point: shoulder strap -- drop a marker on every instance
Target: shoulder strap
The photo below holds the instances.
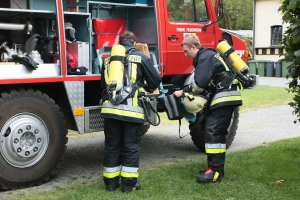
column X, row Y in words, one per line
column 212, row 49
column 130, row 50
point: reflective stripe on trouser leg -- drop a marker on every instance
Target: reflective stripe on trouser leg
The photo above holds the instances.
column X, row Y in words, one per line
column 218, row 120
column 112, row 148
column 129, row 172
column 131, row 149
column 111, row 172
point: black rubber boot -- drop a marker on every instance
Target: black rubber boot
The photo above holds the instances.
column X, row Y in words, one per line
column 111, row 183
column 130, row 185
column 221, row 170
column 211, row 175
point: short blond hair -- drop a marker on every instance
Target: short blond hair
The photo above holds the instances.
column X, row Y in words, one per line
column 191, row 40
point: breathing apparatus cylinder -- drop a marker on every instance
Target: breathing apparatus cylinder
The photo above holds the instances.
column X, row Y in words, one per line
column 116, row 68
column 234, row 59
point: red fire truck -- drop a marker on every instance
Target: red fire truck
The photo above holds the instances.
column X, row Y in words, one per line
column 68, row 39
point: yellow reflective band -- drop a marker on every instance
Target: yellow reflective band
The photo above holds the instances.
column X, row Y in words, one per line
column 111, row 174
column 195, row 88
column 226, row 99
column 130, row 174
column 133, row 72
column 142, row 90
column 106, row 62
column 238, row 83
column 240, row 87
column 215, row 151
column 227, row 94
column 194, row 91
column 135, row 99
column 134, row 58
column 217, row 56
column 216, row 176
column 235, row 81
column 122, row 113
column 215, row 145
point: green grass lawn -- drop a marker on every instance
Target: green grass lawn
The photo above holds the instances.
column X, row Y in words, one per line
column 264, row 96
column 268, row 172
column 250, row 174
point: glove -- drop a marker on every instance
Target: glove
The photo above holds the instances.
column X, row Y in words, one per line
column 25, row 60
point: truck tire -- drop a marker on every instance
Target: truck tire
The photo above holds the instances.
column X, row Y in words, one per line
column 197, row 130
column 33, row 138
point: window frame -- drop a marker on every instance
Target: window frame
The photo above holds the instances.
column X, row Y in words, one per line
column 276, row 35
column 193, row 12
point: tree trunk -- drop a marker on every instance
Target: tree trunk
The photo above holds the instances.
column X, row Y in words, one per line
column 236, row 23
column 227, row 21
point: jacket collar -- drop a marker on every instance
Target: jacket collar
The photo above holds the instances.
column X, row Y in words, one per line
column 128, row 45
column 195, row 61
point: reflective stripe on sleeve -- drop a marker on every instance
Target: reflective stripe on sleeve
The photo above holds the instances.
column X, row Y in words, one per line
column 195, row 88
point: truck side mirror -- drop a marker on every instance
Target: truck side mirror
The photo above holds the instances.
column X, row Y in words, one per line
column 220, row 10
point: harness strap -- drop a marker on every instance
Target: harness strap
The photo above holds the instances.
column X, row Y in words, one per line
column 123, row 59
column 222, row 80
column 228, row 52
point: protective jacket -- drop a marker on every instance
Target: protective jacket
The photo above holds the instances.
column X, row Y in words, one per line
column 141, row 69
column 212, row 75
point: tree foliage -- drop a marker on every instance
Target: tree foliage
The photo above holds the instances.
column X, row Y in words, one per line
column 290, row 10
column 238, row 15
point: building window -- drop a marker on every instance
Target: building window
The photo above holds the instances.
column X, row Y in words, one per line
column 276, row 35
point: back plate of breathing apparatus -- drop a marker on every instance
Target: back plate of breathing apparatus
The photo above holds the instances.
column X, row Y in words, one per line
column 117, row 97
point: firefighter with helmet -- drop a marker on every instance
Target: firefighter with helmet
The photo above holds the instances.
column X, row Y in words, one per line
column 123, row 113
column 213, row 79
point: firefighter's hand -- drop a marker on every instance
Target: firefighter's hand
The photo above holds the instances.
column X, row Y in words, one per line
column 178, row 93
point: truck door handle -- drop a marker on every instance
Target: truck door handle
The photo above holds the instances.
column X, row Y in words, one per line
column 173, row 37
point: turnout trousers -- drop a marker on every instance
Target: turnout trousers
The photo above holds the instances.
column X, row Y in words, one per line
column 121, row 151
column 217, row 123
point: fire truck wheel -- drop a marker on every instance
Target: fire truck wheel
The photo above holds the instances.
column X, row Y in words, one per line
column 145, row 128
column 33, row 138
column 197, row 130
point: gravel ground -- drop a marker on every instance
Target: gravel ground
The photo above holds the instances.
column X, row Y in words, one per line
column 83, row 159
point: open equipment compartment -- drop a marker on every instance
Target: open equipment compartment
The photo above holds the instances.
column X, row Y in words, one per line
column 107, row 20
column 29, row 27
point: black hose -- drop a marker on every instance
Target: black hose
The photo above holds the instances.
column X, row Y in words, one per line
column 145, row 101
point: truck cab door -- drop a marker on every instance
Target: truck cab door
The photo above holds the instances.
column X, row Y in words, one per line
column 184, row 18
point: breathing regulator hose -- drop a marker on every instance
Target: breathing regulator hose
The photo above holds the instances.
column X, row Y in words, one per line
column 146, row 102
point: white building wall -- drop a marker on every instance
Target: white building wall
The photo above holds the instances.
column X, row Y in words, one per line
column 266, row 15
